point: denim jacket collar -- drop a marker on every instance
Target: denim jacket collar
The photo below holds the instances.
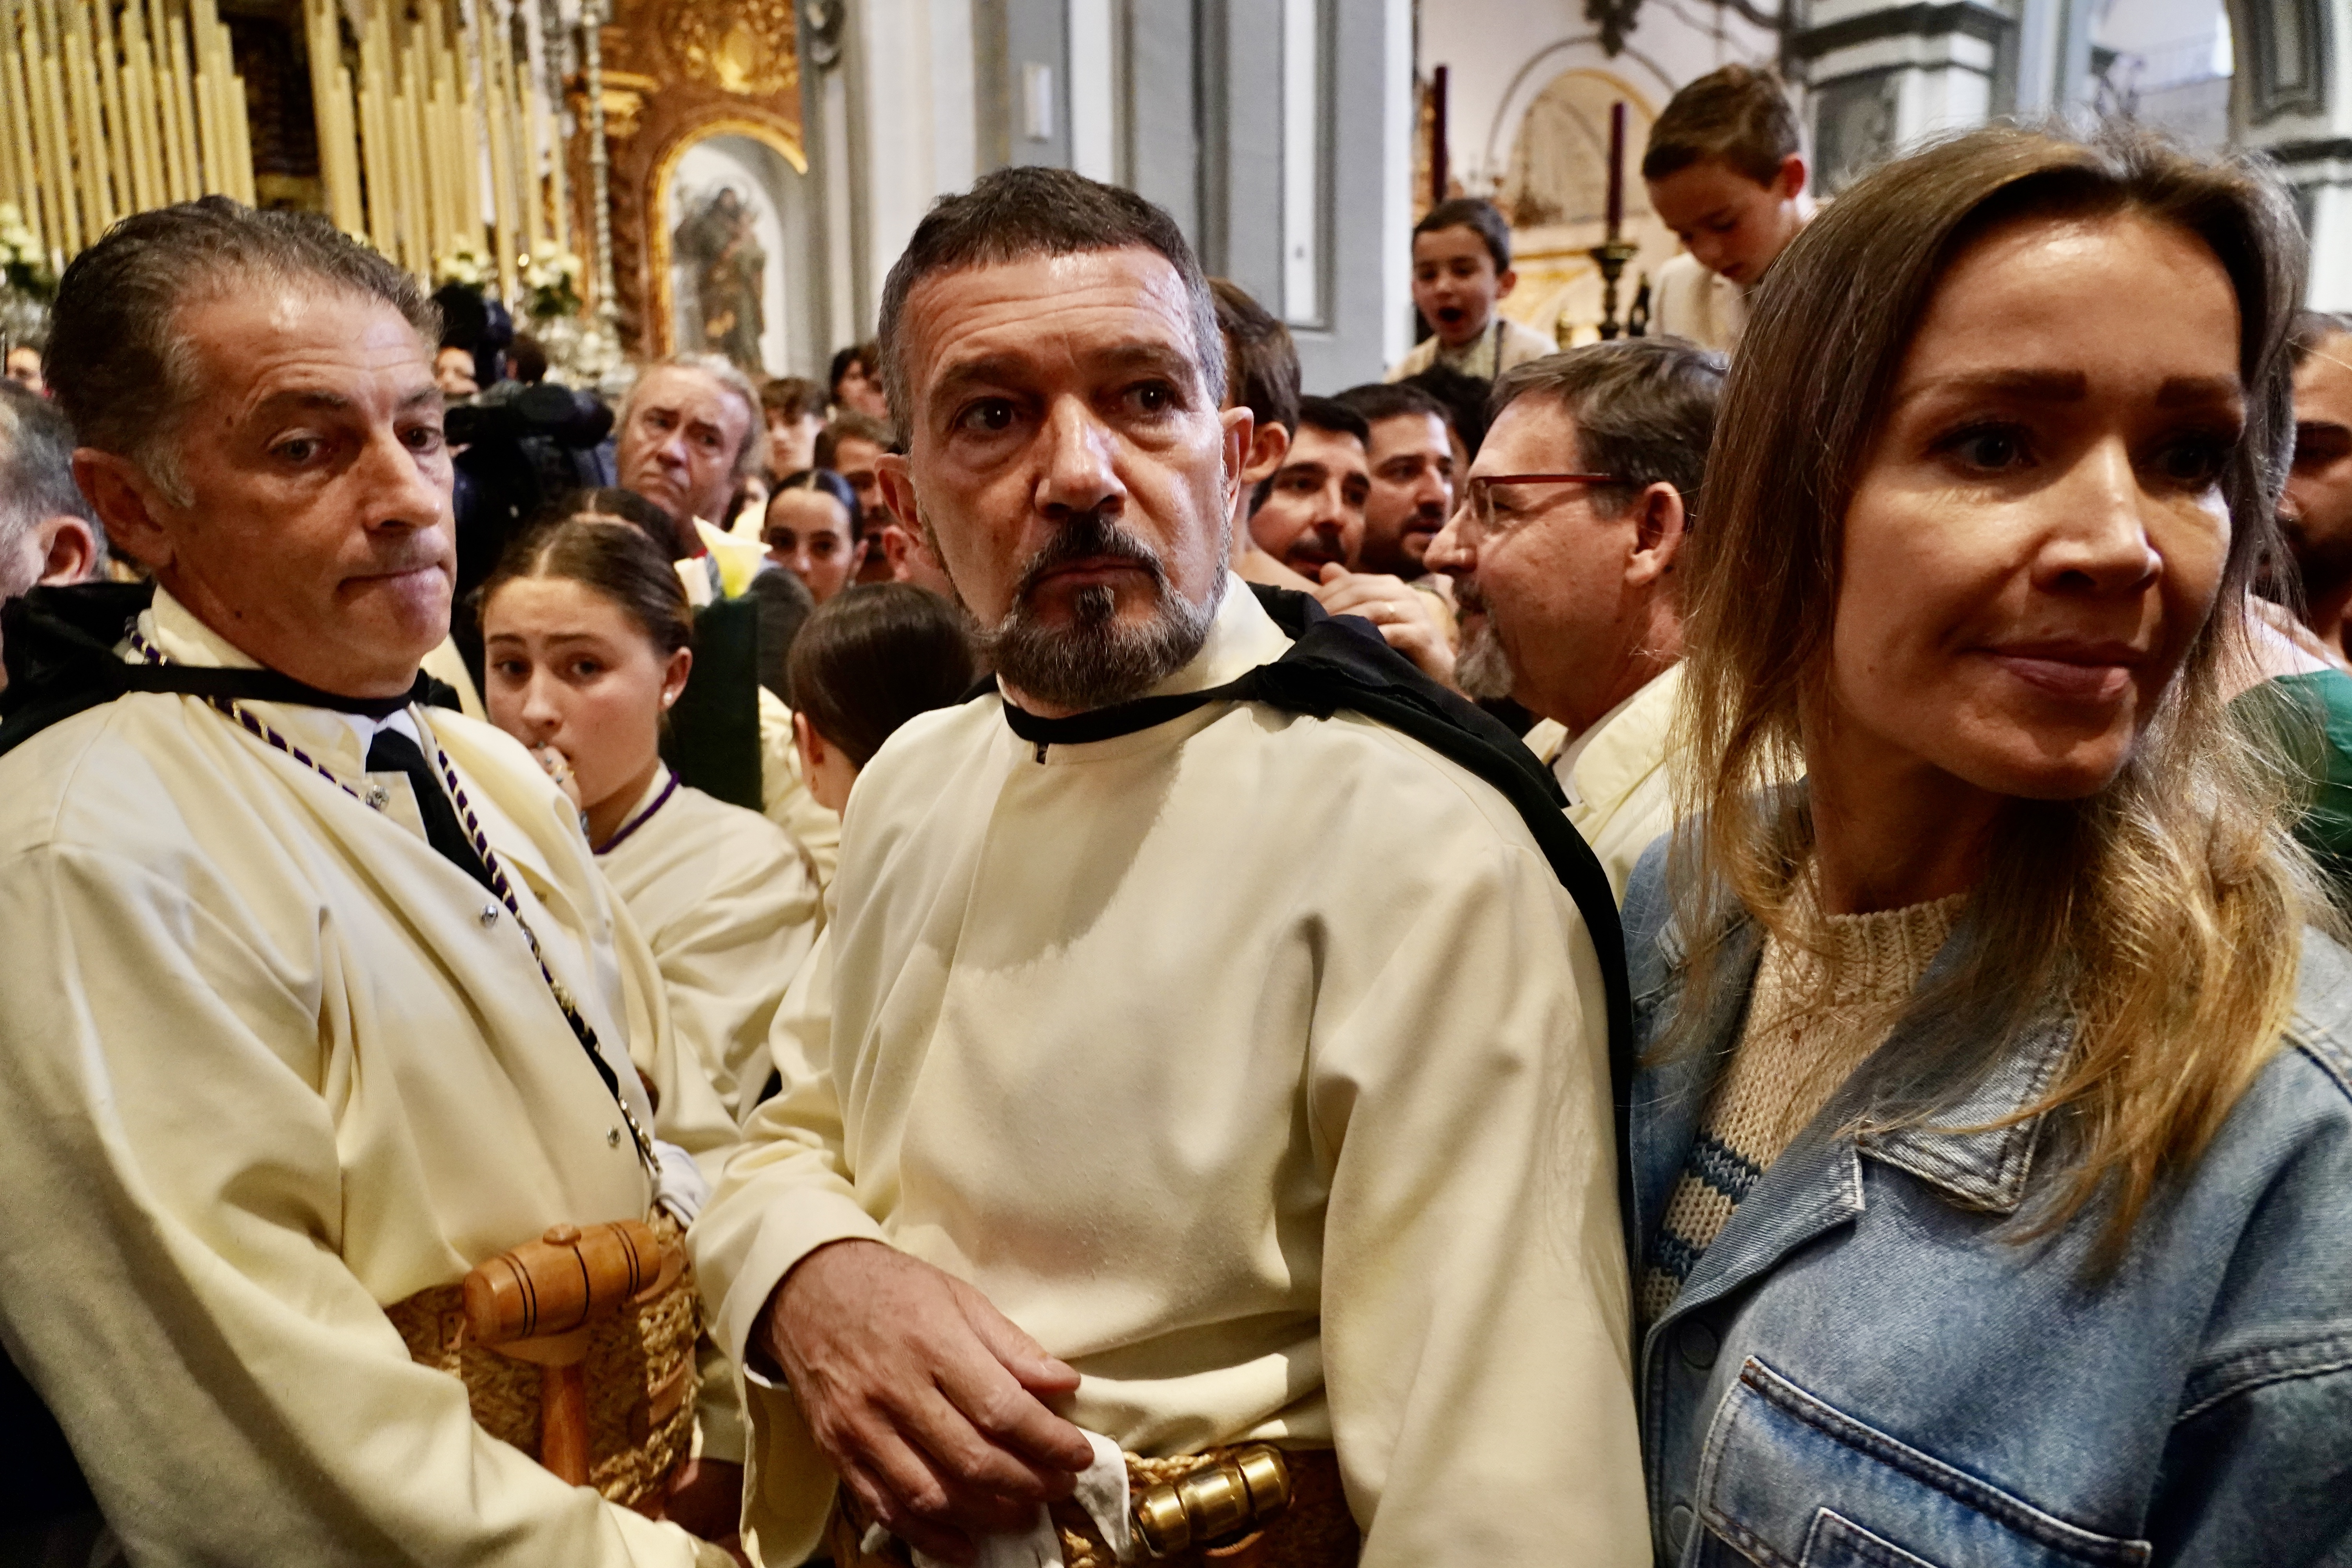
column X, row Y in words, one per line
column 1968, row 1153
column 1816, row 1184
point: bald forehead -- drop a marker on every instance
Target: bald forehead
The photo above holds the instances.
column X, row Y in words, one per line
column 1534, row 434
column 2326, row 359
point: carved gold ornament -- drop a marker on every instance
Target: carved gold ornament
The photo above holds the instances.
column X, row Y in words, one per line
column 746, row 48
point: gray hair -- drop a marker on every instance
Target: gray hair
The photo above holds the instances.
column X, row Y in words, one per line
column 37, row 481
column 1644, row 407
column 1018, row 212
column 116, row 361
column 753, row 454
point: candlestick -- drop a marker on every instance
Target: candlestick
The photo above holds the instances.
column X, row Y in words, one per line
column 1616, row 173
column 1611, row 257
column 600, row 204
column 146, row 109
column 15, row 96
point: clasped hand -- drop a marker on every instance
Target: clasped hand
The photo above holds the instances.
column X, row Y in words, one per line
column 929, row 1401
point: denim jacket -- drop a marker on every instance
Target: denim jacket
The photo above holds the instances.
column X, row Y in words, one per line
column 1867, row 1367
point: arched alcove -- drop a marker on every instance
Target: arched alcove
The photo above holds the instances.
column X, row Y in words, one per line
column 1554, row 190
column 727, row 227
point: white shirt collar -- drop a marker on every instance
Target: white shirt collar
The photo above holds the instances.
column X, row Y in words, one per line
column 367, row 728
column 1563, row 763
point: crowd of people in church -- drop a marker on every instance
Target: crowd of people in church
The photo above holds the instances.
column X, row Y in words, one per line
column 1722, row 946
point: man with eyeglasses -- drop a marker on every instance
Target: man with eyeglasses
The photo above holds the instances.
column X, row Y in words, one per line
column 1564, row 554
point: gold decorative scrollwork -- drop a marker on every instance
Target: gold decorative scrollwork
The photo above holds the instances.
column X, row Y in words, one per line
column 747, row 48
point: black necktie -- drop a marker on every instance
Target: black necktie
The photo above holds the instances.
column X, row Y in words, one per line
column 394, row 753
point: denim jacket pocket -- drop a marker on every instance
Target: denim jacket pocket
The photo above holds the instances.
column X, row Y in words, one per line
column 1789, row 1480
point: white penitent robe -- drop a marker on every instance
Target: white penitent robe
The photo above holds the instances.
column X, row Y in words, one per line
column 1698, row 305
column 1619, row 793
column 784, row 797
column 1254, row 1063
column 268, row 1063
column 727, row 901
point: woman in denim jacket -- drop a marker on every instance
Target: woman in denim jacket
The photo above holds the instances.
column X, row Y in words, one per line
column 1991, row 1146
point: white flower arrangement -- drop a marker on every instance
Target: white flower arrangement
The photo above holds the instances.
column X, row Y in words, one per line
column 23, row 266
column 550, row 279
column 462, row 263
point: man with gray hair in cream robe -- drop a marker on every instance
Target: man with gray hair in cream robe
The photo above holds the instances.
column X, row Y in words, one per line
column 689, row 432
column 316, row 1001
column 1206, row 1065
column 1563, row 554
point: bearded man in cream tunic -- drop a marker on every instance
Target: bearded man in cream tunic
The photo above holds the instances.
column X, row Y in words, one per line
column 1191, row 1077
column 1563, row 554
column 274, row 1059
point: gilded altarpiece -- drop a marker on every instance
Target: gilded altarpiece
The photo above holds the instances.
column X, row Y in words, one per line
column 677, row 73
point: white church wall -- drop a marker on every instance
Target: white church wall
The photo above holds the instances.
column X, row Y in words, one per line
column 1184, row 104
column 2292, row 98
column 1501, row 54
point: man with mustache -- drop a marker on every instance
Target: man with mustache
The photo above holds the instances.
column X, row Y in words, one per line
column 1309, row 513
column 1216, row 1052
column 1564, row 555
column 317, row 998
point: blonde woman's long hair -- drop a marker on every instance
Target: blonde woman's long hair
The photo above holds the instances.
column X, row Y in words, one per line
column 2161, row 917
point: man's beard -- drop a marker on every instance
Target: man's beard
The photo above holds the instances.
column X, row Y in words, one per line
column 1482, row 668
column 1098, row 659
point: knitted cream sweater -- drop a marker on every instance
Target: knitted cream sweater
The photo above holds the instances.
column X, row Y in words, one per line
column 1811, row 1021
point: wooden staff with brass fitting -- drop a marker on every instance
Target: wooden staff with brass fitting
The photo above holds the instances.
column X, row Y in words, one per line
column 1237, row 1493
column 540, row 1302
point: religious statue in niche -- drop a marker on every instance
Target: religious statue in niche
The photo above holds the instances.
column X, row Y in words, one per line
column 716, row 244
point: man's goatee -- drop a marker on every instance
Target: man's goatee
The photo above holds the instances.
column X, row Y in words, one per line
column 1098, row 659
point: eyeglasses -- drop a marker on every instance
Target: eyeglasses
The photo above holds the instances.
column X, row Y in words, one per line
column 1478, row 494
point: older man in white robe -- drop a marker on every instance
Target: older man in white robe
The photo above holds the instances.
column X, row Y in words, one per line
column 1205, row 1066
column 316, row 1001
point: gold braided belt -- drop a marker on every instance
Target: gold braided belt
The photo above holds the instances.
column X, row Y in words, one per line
column 1252, row 1506
column 578, row 1349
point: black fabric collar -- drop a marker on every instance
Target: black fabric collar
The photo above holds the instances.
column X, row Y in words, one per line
column 1331, row 657
column 59, row 648
column 1121, row 718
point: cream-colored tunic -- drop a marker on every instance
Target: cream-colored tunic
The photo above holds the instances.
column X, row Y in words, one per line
column 784, row 797
column 726, row 900
column 268, row 1063
column 1620, row 796
column 1504, row 343
column 1698, row 305
column 1254, row 1064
